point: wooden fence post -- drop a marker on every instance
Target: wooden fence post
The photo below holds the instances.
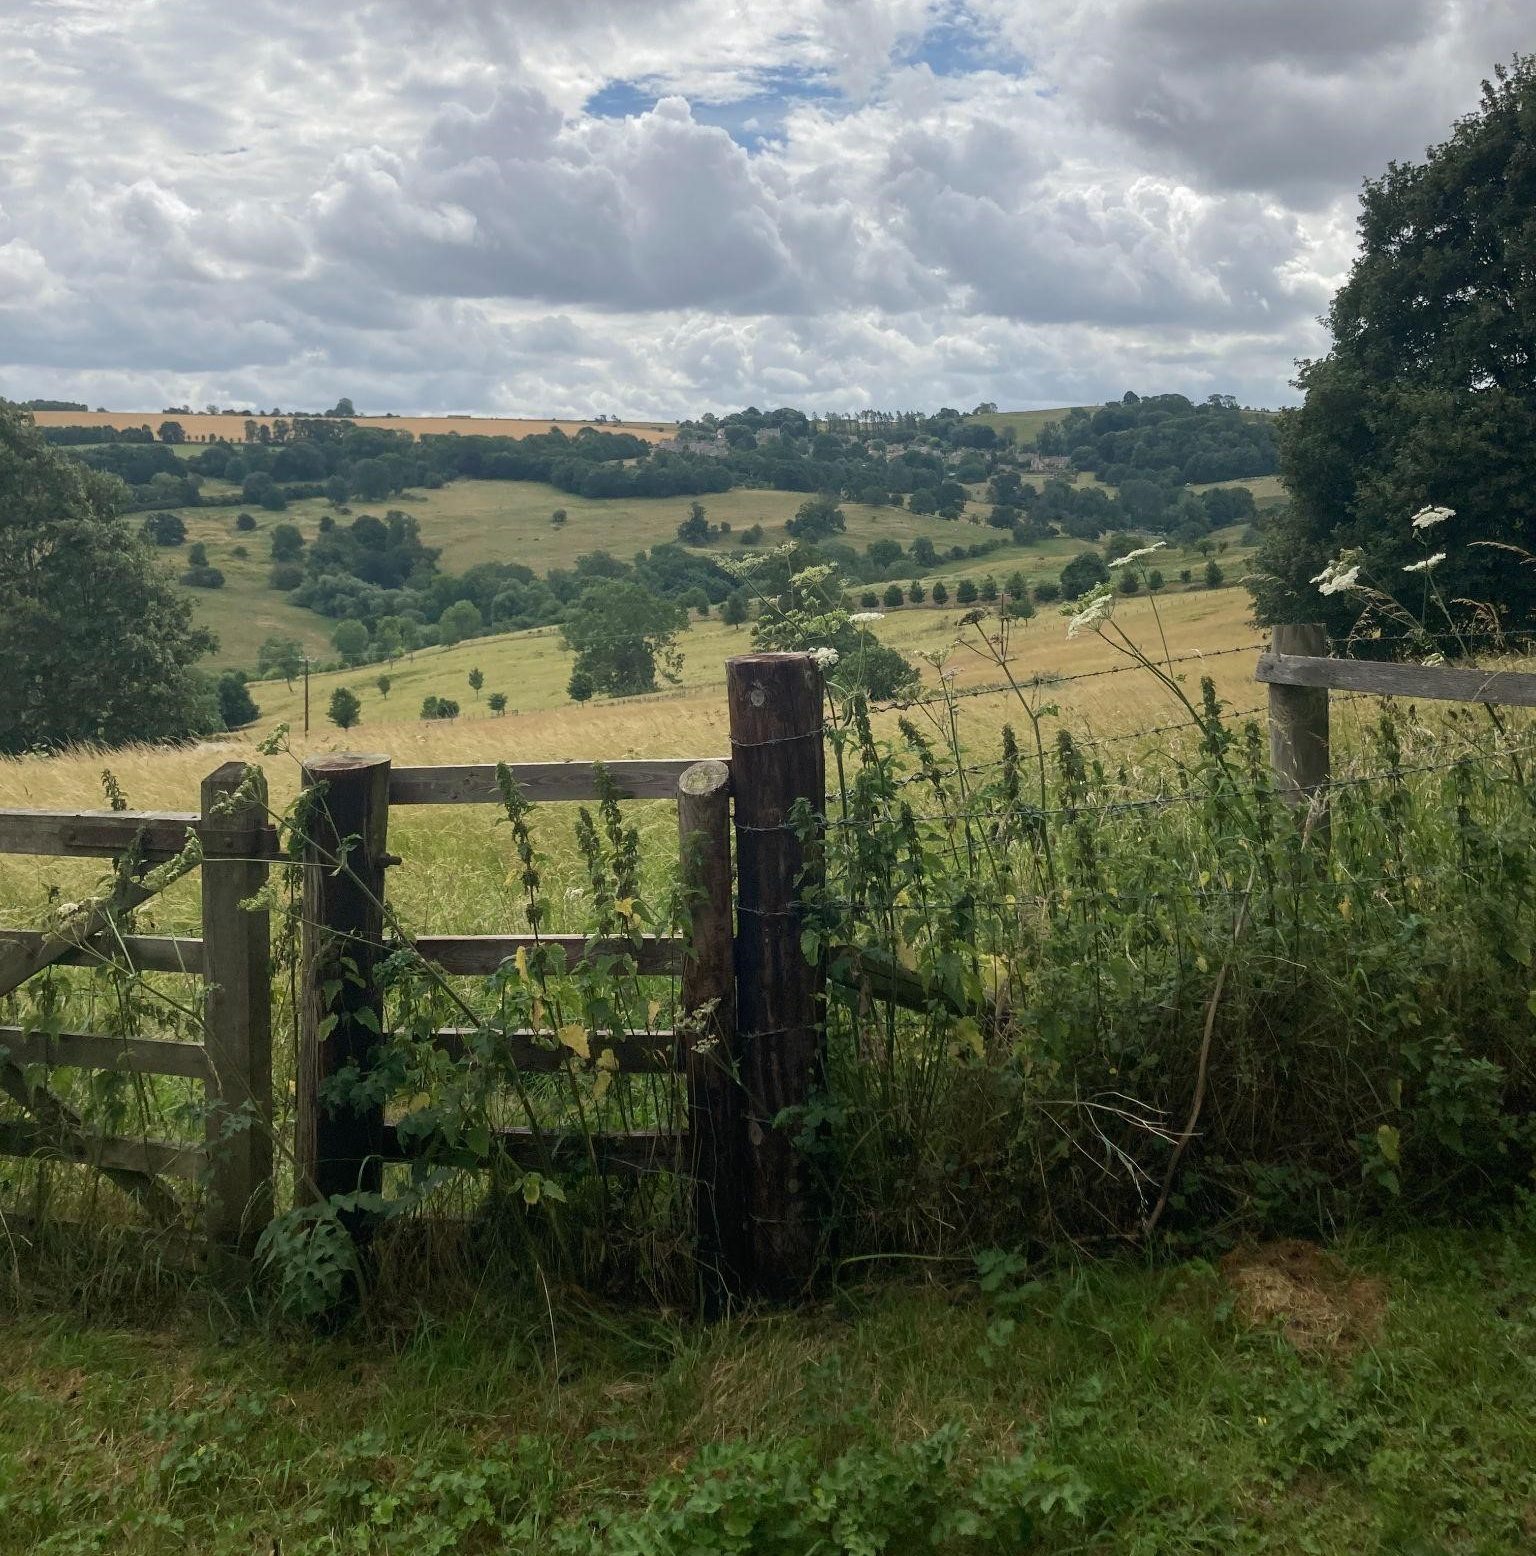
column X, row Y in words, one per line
column 1298, row 731
column 709, row 1002
column 237, row 1009
column 776, row 760
column 337, row 1149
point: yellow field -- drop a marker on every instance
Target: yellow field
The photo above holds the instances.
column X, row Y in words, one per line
column 531, row 667
column 203, row 428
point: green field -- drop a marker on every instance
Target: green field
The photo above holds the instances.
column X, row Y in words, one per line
column 1286, row 1400
column 1026, row 425
column 504, row 521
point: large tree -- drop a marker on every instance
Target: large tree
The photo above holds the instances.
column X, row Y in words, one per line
column 95, row 641
column 618, row 631
column 1428, row 395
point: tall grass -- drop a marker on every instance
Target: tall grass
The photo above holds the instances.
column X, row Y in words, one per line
column 1161, row 1004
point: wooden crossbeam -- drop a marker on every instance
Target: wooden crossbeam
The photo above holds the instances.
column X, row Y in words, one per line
column 537, row 1053
column 1440, row 683
column 475, row 784
column 140, row 953
column 97, row 1051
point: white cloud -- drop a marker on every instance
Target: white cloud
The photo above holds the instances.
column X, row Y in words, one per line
column 925, row 201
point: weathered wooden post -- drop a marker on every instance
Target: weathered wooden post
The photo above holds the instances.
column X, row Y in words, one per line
column 776, row 761
column 710, row 1050
column 338, row 1144
column 237, row 1009
column 1298, row 731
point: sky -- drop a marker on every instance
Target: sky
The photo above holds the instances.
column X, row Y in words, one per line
column 655, row 208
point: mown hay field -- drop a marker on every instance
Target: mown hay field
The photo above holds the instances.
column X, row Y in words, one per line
column 202, row 427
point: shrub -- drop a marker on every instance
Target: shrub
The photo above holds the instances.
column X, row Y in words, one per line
column 285, row 576
column 433, row 707
column 345, row 708
column 1046, row 591
column 203, row 578
column 1213, row 577
column 1084, row 572
column 245, row 522
column 893, row 596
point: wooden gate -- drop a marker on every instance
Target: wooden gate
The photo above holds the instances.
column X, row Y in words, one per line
column 232, row 957
column 751, row 1051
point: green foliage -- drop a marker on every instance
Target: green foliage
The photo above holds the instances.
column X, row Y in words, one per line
column 1213, row 577
column 816, row 519
column 461, row 620
column 734, row 611
column 433, row 707
column 476, row 681
column 351, row 641
column 280, row 656
column 287, row 543
column 236, row 706
column 1085, row 571
column 1380, row 969
column 345, row 708
column 165, row 529
column 1428, row 393
column 621, row 633
column 98, row 643
column 497, row 703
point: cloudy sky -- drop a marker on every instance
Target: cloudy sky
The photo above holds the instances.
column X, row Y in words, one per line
column 658, row 207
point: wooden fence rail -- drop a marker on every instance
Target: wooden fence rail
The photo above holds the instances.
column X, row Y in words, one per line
column 1300, row 674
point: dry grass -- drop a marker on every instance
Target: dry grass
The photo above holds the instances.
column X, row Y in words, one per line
column 204, row 428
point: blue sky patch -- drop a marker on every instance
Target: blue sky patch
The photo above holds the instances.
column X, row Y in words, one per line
column 751, row 120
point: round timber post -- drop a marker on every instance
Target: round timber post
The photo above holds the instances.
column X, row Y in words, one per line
column 778, row 773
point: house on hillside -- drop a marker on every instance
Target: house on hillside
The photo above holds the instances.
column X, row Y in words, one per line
column 710, row 446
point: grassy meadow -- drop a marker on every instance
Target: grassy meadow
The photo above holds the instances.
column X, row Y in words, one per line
column 508, row 521
column 1368, row 1402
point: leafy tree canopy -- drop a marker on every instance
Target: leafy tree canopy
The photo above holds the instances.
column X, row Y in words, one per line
column 98, row 645
column 1428, row 395
column 618, row 631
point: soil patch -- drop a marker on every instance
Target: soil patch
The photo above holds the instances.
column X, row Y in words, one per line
column 1316, row 1302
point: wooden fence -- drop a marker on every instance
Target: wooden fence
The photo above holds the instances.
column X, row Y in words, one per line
column 757, row 1051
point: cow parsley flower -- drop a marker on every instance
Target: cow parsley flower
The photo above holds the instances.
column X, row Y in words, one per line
column 1428, row 565
column 1427, row 518
column 825, row 657
column 1097, row 608
column 1132, row 556
column 1338, row 576
column 860, row 617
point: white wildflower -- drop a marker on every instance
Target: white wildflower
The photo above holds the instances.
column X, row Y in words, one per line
column 1097, row 608
column 1428, row 565
column 825, row 657
column 1133, row 556
column 1337, row 577
column 860, row 617
column 1427, row 518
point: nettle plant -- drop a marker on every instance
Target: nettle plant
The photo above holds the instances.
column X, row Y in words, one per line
column 1152, row 1004
column 532, row 1049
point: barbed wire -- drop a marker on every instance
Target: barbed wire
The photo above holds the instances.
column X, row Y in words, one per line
column 1156, row 801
